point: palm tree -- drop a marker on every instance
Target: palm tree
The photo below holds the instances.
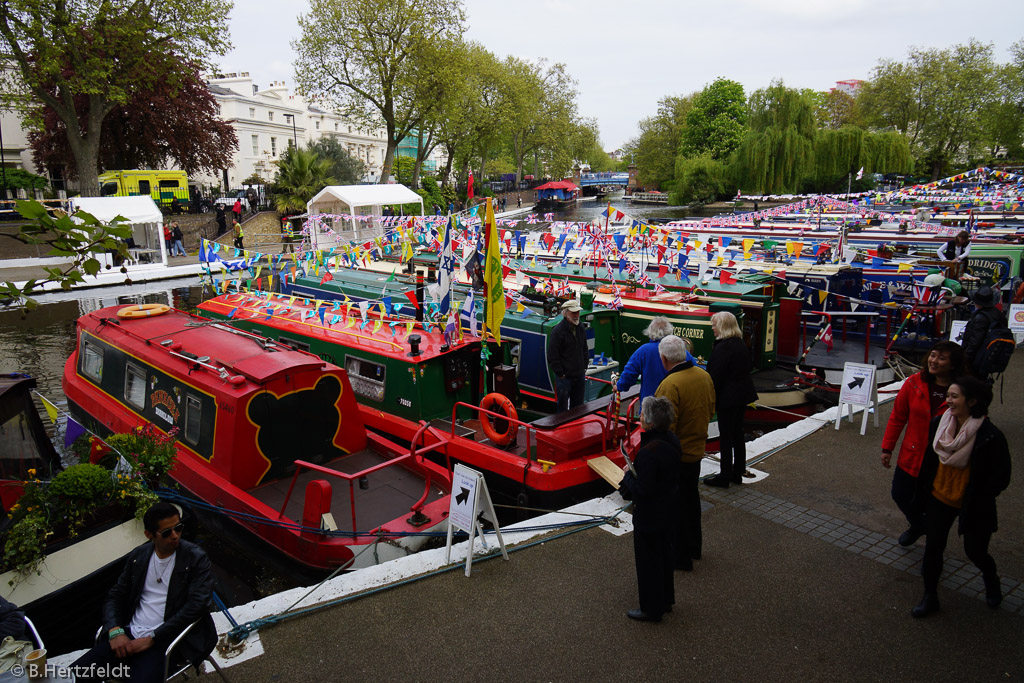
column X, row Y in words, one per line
column 301, row 173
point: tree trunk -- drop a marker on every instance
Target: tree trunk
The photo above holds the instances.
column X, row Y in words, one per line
column 446, row 177
column 389, row 160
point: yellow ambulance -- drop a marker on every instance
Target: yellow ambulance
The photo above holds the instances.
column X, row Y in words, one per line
column 163, row 186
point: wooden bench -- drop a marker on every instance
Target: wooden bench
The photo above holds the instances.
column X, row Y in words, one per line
column 600, row 403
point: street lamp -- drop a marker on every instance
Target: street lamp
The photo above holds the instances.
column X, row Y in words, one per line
column 295, row 135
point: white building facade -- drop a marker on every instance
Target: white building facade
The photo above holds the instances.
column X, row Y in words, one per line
column 267, row 121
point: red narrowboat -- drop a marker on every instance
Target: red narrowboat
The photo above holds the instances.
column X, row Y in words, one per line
column 268, row 437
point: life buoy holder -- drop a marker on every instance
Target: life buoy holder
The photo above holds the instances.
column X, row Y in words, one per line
column 605, row 289
column 499, row 403
column 143, row 311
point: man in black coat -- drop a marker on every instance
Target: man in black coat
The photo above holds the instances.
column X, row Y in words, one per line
column 986, row 316
column 569, row 356
column 12, row 620
column 168, row 573
column 654, row 491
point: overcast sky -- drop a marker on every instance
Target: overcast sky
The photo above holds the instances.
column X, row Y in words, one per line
column 628, row 55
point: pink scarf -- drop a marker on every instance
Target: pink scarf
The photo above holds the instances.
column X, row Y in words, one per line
column 954, row 447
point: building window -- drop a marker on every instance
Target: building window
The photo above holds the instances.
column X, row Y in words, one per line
column 273, row 147
column 318, row 125
column 335, row 126
column 252, row 112
column 255, row 145
column 270, row 116
column 350, row 130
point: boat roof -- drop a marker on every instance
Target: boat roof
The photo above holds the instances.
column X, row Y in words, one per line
column 290, row 313
column 178, row 333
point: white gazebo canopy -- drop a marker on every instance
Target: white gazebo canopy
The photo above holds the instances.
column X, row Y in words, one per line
column 359, row 200
column 141, row 212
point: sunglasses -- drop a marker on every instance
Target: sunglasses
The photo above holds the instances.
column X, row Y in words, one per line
column 177, row 528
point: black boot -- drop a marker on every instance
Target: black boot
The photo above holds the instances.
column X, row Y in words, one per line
column 929, row 603
column 993, row 591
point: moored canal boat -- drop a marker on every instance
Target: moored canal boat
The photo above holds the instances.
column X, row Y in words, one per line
column 268, row 438
column 416, row 378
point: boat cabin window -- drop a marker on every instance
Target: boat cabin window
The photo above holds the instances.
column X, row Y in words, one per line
column 92, row 361
column 367, row 377
column 135, row 386
column 193, row 415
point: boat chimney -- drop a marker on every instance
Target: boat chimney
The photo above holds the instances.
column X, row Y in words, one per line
column 414, row 345
column 419, row 295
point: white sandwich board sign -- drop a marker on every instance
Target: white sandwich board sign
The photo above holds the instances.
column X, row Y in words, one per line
column 859, row 388
column 470, row 501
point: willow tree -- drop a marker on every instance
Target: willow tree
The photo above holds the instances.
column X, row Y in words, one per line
column 777, row 153
column 844, row 151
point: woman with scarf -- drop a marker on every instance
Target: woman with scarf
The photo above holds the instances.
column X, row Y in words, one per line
column 966, row 465
column 922, row 397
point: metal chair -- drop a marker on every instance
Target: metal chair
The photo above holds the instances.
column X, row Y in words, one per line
column 35, row 634
column 173, row 669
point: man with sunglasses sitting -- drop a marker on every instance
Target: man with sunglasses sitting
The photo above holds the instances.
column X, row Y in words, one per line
column 165, row 586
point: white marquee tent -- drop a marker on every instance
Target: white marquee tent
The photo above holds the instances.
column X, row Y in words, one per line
column 142, row 213
column 358, row 200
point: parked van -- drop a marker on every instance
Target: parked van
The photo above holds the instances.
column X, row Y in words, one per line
column 163, row 186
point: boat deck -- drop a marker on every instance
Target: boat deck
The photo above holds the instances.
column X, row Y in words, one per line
column 390, row 493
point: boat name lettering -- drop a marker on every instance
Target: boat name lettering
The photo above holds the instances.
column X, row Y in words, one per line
column 688, row 332
column 226, row 407
column 162, row 398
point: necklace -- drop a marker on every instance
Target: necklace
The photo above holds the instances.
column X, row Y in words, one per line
column 166, row 563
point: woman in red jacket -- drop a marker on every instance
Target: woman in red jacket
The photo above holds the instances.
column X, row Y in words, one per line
column 922, row 397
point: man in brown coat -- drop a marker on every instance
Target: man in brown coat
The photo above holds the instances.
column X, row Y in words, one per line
column 692, row 392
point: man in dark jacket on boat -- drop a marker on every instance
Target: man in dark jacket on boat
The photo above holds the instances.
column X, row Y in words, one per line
column 569, row 356
column 165, row 586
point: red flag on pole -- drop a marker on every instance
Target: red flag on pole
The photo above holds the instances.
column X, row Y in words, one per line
column 469, row 188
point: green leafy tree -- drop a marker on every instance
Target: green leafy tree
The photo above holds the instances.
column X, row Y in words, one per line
column 343, row 167
column 377, row 60
column 654, row 150
column 838, row 109
column 938, row 99
column 59, row 49
column 1003, row 120
column 82, row 239
column 301, row 173
column 716, row 122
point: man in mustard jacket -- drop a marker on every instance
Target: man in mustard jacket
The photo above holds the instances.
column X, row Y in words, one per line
column 692, row 392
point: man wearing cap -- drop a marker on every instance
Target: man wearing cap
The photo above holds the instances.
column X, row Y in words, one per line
column 568, row 356
column 986, row 316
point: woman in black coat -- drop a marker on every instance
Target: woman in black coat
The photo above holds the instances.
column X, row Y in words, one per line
column 729, row 367
column 966, row 465
column 654, row 490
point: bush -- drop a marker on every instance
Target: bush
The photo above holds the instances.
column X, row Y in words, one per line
column 78, row 491
column 699, row 180
column 150, row 453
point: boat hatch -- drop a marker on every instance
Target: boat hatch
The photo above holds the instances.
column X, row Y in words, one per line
column 263, row 367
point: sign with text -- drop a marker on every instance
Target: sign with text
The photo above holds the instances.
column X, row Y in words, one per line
column 858, row 388
column 1015, row 320
column 471, row 502
column 956, row 331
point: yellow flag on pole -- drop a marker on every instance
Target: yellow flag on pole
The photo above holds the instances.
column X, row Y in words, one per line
column 493, row 277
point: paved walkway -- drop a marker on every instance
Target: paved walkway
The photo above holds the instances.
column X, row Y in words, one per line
column 801, row 579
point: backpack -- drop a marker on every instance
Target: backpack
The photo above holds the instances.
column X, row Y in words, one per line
column 994, row 354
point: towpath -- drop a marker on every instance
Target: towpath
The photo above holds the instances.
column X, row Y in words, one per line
column 801, row 580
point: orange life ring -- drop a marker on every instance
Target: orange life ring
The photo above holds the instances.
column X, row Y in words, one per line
column 1018, row 296
column 499, row 402
column 143, row 311
column 605, row 289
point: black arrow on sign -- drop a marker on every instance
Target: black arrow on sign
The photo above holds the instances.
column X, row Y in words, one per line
column 462, row 497
column 857, row 381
